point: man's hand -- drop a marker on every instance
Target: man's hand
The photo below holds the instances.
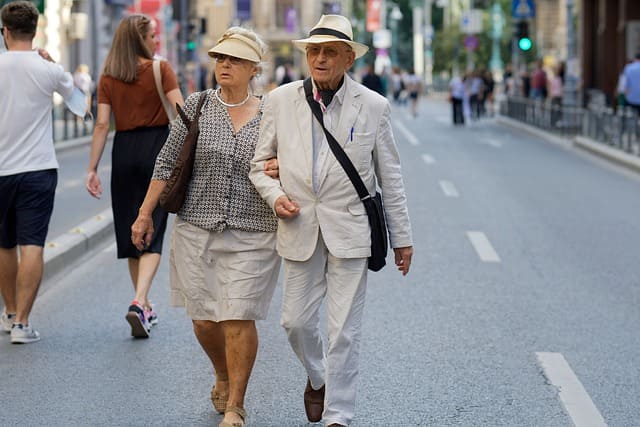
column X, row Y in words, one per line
column 271, row 168
column 286, row 208
column 45, row 55
column 403, row 258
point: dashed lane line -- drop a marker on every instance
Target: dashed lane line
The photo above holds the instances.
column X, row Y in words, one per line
column 492, row 142
column 483, row 246
column 428, row 159
column 410, row 137
column 449, row 189
column 572, row 394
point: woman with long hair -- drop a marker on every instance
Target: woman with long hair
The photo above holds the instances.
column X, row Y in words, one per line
column 127, row 90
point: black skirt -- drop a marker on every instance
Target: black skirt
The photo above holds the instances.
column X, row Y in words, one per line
column 132, row 161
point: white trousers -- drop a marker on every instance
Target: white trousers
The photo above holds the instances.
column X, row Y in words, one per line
column 344, row 282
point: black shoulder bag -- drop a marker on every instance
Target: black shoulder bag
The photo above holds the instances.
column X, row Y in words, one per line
column 372, row 205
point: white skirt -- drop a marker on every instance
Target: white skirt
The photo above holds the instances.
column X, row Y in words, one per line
column 222, row 276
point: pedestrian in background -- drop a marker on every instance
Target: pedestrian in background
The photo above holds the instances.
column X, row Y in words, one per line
column 538, row 88
column 223, row 264
column 372, row 81
column 127, row 89
column 456, row 95
column 632, row 83
column 28, row 165
column 323, row 231
column 555, row 90
column 413, row 84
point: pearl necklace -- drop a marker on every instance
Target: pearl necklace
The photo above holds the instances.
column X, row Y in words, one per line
column 217, row 94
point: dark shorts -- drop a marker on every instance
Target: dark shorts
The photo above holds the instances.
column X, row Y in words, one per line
column 26, row 203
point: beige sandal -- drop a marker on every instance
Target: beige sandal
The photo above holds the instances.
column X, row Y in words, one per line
column 219, row 400
column 239, row 411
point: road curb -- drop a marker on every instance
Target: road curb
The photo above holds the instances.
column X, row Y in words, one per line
column 599, row 149
column 555, row 139
column 65, row 249
column 615, row 155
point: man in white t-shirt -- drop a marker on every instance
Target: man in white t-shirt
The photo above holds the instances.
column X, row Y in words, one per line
column 28, row 165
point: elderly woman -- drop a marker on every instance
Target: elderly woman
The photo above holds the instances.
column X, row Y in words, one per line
column 223, row 262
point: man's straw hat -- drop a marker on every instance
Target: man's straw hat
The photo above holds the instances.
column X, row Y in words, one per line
column 332, row 28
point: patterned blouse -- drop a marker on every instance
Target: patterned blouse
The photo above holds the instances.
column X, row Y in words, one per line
column 220, row 194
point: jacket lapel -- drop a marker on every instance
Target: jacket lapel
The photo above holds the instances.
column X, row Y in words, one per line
column 351, row 106
column 304, row 116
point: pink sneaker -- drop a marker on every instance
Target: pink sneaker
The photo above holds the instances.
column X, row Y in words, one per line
column 137, row 318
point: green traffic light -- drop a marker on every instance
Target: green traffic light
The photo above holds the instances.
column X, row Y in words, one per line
column 191, row 45
column 525, row 43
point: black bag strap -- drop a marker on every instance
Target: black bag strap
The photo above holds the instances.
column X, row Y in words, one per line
column 341, row 156
column 185, row 119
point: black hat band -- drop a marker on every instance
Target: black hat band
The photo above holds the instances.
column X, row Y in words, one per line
column 329, row 32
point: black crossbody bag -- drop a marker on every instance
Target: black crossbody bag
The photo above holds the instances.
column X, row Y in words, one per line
column 372, row 204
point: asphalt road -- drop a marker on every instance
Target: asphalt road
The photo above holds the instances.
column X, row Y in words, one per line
column 521, row 308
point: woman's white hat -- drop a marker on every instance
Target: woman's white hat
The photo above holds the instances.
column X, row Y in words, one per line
column 239, row 46
column 332, row 28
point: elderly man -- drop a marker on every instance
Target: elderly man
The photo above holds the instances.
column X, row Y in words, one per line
column 323, row 231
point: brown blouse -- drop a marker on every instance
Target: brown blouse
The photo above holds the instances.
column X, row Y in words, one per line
column 137, row 104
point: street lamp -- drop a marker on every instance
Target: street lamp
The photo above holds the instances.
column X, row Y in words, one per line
column 395, row 16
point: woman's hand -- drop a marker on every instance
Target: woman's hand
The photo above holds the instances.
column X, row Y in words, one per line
column 142, row 231
column 94, row 187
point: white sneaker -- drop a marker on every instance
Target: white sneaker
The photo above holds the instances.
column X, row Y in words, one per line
column 6, row 320
column 21, row 334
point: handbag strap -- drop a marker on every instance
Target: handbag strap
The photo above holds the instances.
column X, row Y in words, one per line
column 341, row 156
column 157, row 77
column 183, row 116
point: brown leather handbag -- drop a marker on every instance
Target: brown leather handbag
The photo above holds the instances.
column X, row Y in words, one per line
column 175, row 191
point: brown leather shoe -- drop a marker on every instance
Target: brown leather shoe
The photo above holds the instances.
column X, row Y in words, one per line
column 335, row 425
column 313, row 402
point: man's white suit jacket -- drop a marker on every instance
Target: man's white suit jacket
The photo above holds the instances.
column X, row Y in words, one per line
column 286, row 133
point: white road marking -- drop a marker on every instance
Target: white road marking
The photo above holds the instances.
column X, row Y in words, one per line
column 428, row 159
column 449, row 189
column 411, row 138
column 572, row 394
column 482, row 246
column 492, row 142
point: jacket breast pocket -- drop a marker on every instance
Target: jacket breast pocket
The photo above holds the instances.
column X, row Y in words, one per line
column 364, row 142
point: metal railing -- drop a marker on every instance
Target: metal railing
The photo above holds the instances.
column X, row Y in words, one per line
column 550, row 115
column 617, row 128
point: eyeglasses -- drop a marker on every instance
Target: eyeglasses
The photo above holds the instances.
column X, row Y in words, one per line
column 219, row 57
column 329, row 52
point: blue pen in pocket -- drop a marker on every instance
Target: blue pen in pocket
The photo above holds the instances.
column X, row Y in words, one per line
column 351, row 135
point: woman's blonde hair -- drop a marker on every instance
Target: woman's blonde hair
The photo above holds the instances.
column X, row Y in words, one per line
column 128, row 44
